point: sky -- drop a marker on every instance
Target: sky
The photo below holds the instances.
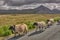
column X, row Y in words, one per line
column 16, row 2
column 26, row 1
column 20, row 2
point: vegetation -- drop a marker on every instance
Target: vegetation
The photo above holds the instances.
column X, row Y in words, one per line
column 4, row 31
column 10, row 19
column 57, row 18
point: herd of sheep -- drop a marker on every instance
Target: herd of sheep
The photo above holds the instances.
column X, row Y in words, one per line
column 22, row 29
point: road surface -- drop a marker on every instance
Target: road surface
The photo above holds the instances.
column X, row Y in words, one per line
column 52, row 33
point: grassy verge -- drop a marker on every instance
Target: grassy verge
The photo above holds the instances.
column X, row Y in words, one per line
column 10, row 19
column 4, row 31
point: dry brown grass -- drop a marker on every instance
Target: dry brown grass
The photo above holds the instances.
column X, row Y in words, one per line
column 18, row 18
column 1, row 38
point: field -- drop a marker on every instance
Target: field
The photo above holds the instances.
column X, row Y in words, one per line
column 9, row 19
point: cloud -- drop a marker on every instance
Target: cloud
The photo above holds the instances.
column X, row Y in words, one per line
column 13, row 2
column 1, row 2
column 18, row 1
column 21, row 2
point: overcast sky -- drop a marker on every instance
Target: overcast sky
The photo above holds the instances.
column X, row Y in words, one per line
column 16, row 2
column 22, row 1
column 34, row 0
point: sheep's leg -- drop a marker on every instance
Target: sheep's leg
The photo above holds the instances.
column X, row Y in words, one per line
column 42, row 28
column 39, row 28
column 26, row 30
column 45, row 27
column 22, row 33
column 48, row 25
column 15, row 34
column 36, row 28
column 19, row 32
column 58, row 23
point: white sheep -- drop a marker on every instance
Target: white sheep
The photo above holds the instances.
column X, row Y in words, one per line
column 58, row 22
column 19, row 29
column 40, row 25
column 52, row 20
column 49, row 22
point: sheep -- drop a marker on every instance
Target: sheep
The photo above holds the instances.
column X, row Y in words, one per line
column 50, row 22
column 19, row 29
column 43, row 25
column 40, row 25
column 58, row 22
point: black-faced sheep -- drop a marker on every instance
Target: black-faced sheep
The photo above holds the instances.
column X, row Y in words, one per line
column 58, row 22
column 40, row 25
column 50, row 22
column 19, row 29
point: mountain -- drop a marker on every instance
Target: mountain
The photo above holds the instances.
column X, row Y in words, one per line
column 17, row 11
column 55, row 11
column 42, row 9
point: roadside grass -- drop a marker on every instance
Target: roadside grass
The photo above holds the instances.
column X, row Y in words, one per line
column 57, row 18
column 29, row 19
column 4, row 31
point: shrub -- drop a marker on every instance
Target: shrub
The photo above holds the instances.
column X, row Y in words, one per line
column 7, row 32
column 56, row 18
column 4, row 31
column 30, row 25
column 1, row 31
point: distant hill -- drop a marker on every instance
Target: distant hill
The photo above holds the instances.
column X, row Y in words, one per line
column 55, row 11
column 40, row 9
column 43, row 9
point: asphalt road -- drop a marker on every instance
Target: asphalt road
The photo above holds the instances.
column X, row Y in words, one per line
column 52, row 33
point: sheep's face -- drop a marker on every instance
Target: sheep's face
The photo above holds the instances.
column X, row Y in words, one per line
column 12, row 28
column 47, row 21
column 35, row 24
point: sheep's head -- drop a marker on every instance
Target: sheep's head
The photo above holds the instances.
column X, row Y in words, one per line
column 35, row 24
column 12, row 28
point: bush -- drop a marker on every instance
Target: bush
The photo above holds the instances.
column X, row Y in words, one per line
column 4, row 31
column 56, row 18
column 1, row 32
column 30, row 25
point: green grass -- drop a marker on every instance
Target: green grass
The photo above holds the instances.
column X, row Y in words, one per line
column 30, row 25
column 57, row 18
column 4, row 31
